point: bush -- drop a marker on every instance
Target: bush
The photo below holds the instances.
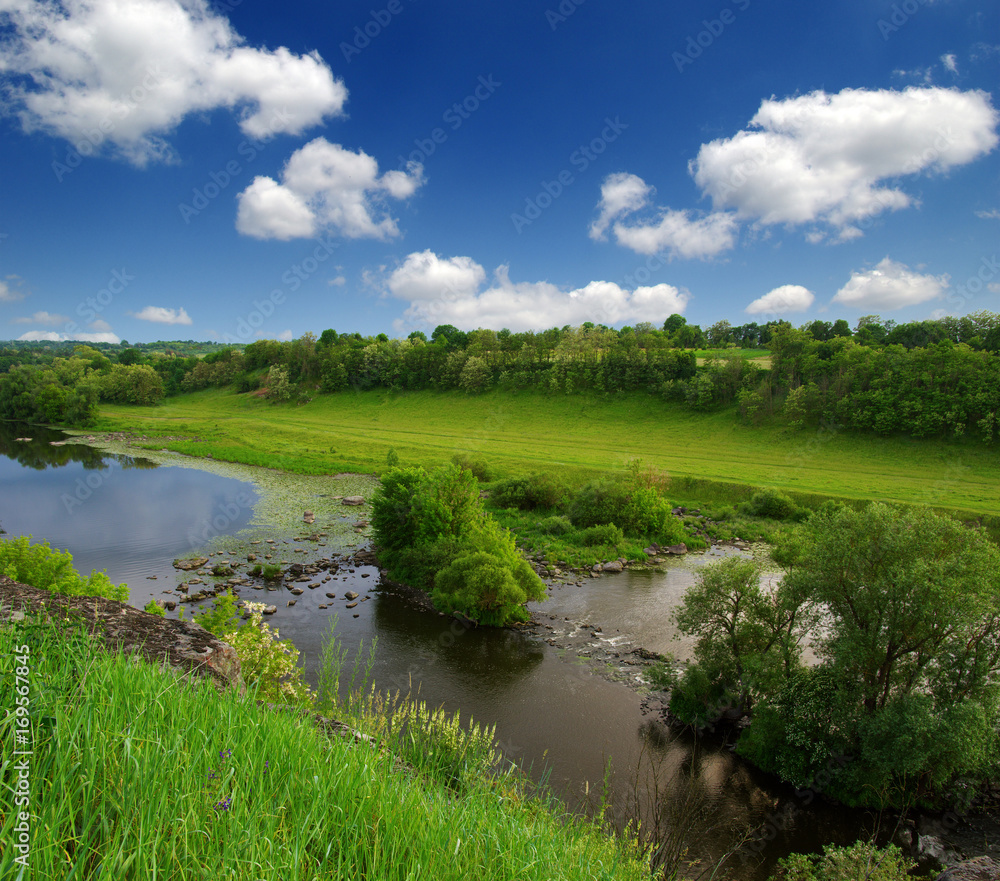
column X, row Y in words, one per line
column 604, row 534
column 537, row 491
column 46, row 569
column 773, row 504
column 557, row 525
column 861, row 861
column 476, row 464
column 432, row 532
column 640, row 511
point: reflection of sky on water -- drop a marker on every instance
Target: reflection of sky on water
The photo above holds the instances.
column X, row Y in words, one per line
column 120, row 519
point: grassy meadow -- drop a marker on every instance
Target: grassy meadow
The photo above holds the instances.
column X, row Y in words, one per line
column 709, row 456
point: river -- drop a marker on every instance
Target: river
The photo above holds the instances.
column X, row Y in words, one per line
column 564, row 695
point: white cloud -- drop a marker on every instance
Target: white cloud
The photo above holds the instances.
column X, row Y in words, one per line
column 285, row 336
column 822, row 158
column 162, row 315
column 51, row 336
column 993, row 214
column 9, row 290
column 448, row 291
column 620, row 194
column 786, row 298
column 890, row 285
column 681, row 235
column 325, row 186
column 99, row 325
column 425, row 276
column 42, row 318
column 129, row 71
column 950, row 62
column 337, row 282
column 674, row 232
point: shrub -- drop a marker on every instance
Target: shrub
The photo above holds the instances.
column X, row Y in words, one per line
column 557, row 525
column 639, row 511
column 528, row 493
column 476, row 464
column 603, row 534
column 773, row 504
column 432, row 532
column 48, row 569
column 861, row 861
column 266, row 662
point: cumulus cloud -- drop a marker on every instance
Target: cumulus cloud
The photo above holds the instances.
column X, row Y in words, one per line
column 890, row 285
column 786, row 298
column 126, row 72
column 677, row 233
column 81, row 336
column 47, row 318
column 325, row 186
column 826, row 162
column 822, row 158
column 162, row 315
column 425, row 276
column 449, row 291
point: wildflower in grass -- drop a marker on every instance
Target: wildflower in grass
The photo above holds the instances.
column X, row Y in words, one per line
column 225, row 804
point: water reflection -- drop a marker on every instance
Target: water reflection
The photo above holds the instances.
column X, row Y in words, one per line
column 38, row 447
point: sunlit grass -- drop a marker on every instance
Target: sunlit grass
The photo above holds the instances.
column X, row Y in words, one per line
column 137, row 775
column 579, row 435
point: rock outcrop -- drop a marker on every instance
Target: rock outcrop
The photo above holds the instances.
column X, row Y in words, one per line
column 182, row 645
column 979, row 869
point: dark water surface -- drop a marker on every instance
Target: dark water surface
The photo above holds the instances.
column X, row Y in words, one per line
column 552, row 712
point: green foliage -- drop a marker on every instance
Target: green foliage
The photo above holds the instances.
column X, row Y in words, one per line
column 154, row 607
column 773, row 504
column 125, row 758
column 221, row 617
column 539, row 491
column 638, row 510
column 747, row 636
column 279, row 387
column 432, row 532
column 48, row 569
column 603, row 534
column 476, row 464
column 556, row 525
column 131, row 384
column 267, row 664
column 392, row 458
column 861, row 861
column 909, row 653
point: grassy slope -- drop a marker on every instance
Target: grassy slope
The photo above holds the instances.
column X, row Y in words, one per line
column 578, row 434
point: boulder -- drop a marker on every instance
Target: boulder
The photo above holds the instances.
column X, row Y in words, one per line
column 676, row 549
column 979, row 869
column 193, row 563
column 182, row 645
column 613, row 566
column 352, row 500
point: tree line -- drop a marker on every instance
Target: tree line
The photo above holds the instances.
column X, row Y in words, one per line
column 929, row 378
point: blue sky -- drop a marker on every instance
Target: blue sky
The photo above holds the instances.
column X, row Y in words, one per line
column 236, row 170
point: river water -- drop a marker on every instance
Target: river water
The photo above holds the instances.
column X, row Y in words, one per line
column 563, row 695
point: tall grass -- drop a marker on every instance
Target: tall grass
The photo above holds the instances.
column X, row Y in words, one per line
column 136, row 774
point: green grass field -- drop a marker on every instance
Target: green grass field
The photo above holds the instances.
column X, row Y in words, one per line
column 709, row 456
